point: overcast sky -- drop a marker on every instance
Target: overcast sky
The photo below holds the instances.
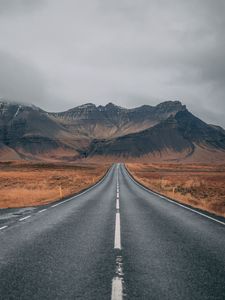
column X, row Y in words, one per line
column 58, row 54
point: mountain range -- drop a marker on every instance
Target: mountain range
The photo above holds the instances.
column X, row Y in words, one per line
column 165, row 132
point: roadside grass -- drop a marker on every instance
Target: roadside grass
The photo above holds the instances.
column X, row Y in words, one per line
column 201, row 186
column 29, row 184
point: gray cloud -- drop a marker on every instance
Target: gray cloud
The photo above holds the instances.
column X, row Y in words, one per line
column 20, row 81
column 127, row 51
column 20, row 6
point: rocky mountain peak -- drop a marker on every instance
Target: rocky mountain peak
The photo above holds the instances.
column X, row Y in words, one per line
column 110, row 107
column 107, row 130
column 83, row 108
column 87, row 106
column 10, row 110
column 168, row 106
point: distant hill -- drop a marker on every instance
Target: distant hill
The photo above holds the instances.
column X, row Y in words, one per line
column 166, row 132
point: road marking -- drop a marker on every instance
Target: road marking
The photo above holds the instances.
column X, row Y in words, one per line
column 117, row 289
column 117, row 241
column 57, row 204
column 174, row 202
column 117, row 282
column 117, row 204
column 3, row 227
column 27, row 217
column 40, row 211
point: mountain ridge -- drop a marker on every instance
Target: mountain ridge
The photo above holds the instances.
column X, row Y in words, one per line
column 89, row 131
column 175, row 134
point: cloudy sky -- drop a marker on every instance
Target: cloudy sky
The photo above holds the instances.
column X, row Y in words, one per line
column 59, row 54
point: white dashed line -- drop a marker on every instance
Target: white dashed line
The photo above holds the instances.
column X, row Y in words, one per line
column 117, row 204
column 117, row 289
column 3, row 227
column 57, row 204
column 78, row 195
column 117, row 282
column 117, row 241
column 22, row 219
column 40, row 211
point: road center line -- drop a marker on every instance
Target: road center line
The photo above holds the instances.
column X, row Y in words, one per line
column 117, row 241
column 117, row 289
column 117, row 282
column 22, row 219
column 117, row 204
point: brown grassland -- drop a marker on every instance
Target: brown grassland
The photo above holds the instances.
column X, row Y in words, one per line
column 201, row 186
column 34, row 183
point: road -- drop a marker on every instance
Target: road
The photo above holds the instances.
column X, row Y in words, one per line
column 115, row 241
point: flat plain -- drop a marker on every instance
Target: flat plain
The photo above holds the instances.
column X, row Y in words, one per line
column 36, row 183
column 198, row 185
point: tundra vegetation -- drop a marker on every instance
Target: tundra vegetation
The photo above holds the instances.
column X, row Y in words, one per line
column 36, row 183
column 198, row 185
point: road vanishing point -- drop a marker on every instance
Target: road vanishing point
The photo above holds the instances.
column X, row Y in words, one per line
column 117, row 240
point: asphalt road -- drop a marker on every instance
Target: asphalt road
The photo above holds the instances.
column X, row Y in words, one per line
column 116, row 240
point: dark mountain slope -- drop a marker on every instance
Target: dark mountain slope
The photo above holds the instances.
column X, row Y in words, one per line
column 31, row 132
column 179, row 133
column 165, row 130
column 197, row 131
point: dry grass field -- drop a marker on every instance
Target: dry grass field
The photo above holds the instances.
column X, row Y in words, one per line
column 201, row 186
column 33, row 183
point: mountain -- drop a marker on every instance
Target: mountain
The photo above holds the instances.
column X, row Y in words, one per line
column 165, row 132
column 180, row 137
column 29, row 132
column 112, row 120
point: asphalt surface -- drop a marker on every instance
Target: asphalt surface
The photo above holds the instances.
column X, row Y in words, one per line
column 67, row 251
